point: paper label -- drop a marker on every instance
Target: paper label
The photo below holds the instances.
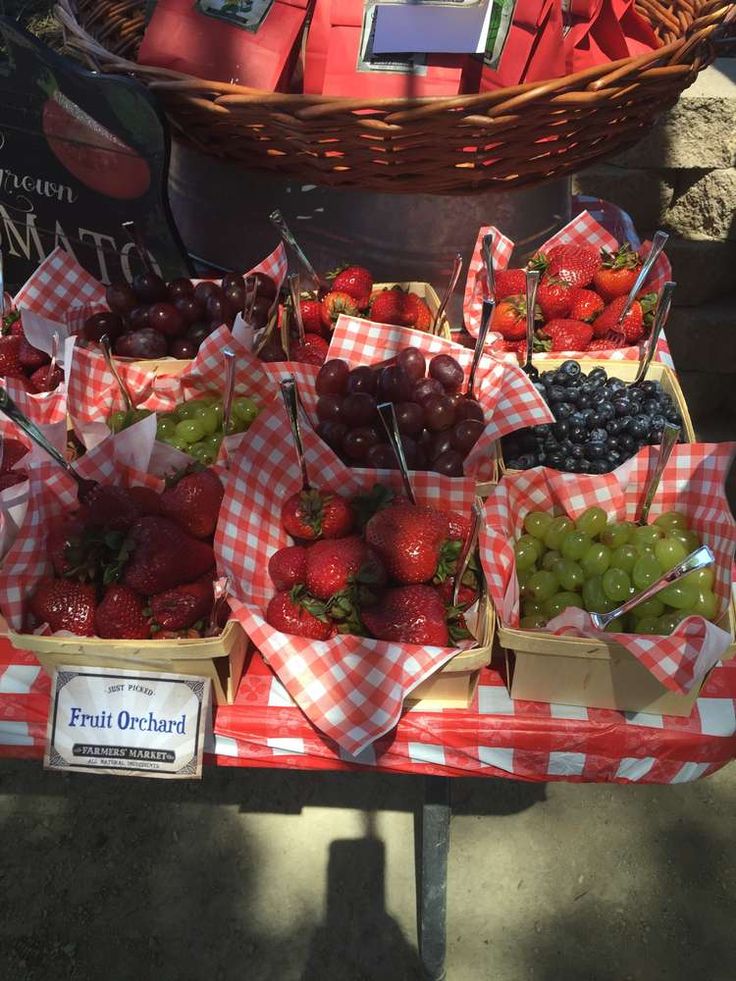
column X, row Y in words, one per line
column 502, row 15
column 432, row 27
column 248, row 14
column 404, row 64
column 132, row 723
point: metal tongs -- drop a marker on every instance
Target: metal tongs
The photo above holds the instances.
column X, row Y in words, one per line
column 277, row 220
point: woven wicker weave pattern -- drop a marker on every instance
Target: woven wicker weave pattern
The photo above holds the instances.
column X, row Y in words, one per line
column 464, row 144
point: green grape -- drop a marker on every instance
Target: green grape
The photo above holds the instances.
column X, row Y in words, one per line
column 617, row 585
column 558, row 528
column 166, row 427
column 208, row 417
column 594, row 598
column 651, row 608
column 119, row 421
column 189, row 430
column 551, row 559
column 667, row 623
column 669, row 551
column 575, row 544
column 537, row 522
column 532, row 607
column 670, row 520
column 533, row 623
column 213, row 443
column 617, row 534
column 531, row 542
column 570, row 574
column 596, row 560
column 187, row 410
column 201, row 452
column 621, row 625
column 526, row 555
column 706, row 604
column 138, row 414
column 645, row 571
column 624, row 557
column 646, row 535
column 702, row 578
column 543, row 584
column 236, row 426
column 523, row 578
column 177, row 443
column 245, row 409
column 646, row 625
column 559, row 602
column 592, row 522
column 681, row 596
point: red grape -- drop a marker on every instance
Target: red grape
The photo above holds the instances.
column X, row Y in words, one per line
column 120, row 298
column 426, row 389
column 447, row 371
column 410, row 418
column 138, row 317
column 357, row 442
column 394, row 385
column 149, row 288
column 358, row 409
column 100, row 324
column 329, row 408
column 465, row 435
column 262, row 306
column 266, row 286
column 412, row 362
column 234, row 299
column 382, row 457
column 166, row 319
column 438, row 444
column 204, row 290
column 197, row 333
column 233, row 279
column 180, row 287
column 191, row 309
column 217, row 310
column 272, row 350
column 182, row 347
column 470, row 409
column 439, row 413
column 332, row 377
column 363, row 379
column 332, row 433
column 141, row 344
column 450, row 464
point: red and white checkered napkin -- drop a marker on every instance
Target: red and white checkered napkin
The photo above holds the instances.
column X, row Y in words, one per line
column 48, row 410
column 123, row 459
column 60, row 286
column 582, row 230
column 693, row 483
column 350, row 688
column 507, row 396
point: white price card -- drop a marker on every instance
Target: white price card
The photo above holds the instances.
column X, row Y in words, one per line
column 134, row 723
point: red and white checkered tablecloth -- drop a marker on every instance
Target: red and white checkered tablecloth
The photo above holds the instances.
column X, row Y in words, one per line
column 495, row 737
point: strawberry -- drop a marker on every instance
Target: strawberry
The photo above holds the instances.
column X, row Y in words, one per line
column 63, row 545
column 605, row 343
column 357, row 282
column 285, row 613
column 631, row 329
column 146, row 499
column 158, row 555
column 568, row 335
column 335, row 565
column 410, row 615
column 108, row 507
column 336, row 303
column 467, row 595
column 46, row 379
column 312, row 316
column 193, row 501
column 554, row 297
column 121, row 615
column 11, row 479
column 65, row 605
column 181, row 607
column 575, row 264
column 11, row 451
column 11, row 322
column 313, row 514
column 312, row 350
column 618, row 272
column 288, row 567
column 586, row 305
column 402, row 309
column 10, row 365
column 509, row 318
column 30, row 357
column 458, row 526
column 422, row 318
column 509, row 282
column 409, row 540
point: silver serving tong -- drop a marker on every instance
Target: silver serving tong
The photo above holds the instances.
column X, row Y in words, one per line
column 658, row 243
column 290, row 395
column 8, row 407
column 670, row 436
column 480, row 343
column 277, row 220
column 133, row 232
column 487, row 251
column 388, row 417
column 699, row 559
column 54, row 357
column 227, row 398
column 661, row 313
column 450, row 289
column 124, row 392
column 295, row 290
column 532, row 285
column 468, row 548
column 220, row 590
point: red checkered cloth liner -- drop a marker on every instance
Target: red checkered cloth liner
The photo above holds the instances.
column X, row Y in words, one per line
column 58, row 285
column 275, row 265
column 582, row 230
column 53, row 494
column 693, row 483
column 351, row 688
column 507, row 396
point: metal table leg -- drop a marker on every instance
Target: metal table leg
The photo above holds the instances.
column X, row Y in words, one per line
column 432, row 843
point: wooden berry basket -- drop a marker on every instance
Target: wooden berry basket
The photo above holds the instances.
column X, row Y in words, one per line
column 218, row 658
column 626, row 371
column 498, row 140
column 596, row 673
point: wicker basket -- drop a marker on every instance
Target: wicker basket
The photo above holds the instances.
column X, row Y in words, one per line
column 463, row 144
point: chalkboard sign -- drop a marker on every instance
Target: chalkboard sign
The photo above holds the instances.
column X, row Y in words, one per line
column 80, row 153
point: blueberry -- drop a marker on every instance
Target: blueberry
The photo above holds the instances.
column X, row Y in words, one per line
column 540, row 389
column 580, row 418
column 560, row 429
column 674, row 417
column 540, row 431
column 514, row 464
column 527, row 460
column 622, row 406
column 570, row 465
column 578, row 433
column 636, row 395
column 576, row 452
column 656, row 421
column 569, row 368
column 563, row 410
column 605, row 410
column 612, row 444
column 598, row 375
column 583, row 399
column 554, row 459
column 650, row 406
column 626, row 442
column 546, row 377
column 648, row 388
column 566, row 446
column 594, row 450
column 556, row 393
column 638, row 427
column 614, row 426
column 598, row 435
column 599, row 466
column 615, row 385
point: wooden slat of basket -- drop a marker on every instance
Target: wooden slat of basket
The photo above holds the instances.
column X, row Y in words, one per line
column 419, row 145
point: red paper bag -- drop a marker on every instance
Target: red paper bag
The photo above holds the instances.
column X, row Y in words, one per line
column 531, row 50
